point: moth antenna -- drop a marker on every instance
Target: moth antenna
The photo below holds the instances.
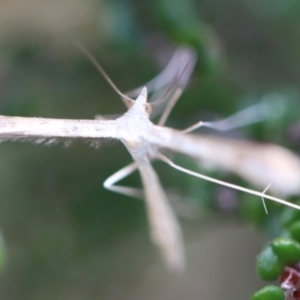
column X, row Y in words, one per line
column 263, row 200
column 224, row 183
column 97, row 65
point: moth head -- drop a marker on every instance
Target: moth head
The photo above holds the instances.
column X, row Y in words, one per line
column 142, row 100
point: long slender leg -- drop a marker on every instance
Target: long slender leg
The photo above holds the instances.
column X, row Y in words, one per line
column 247, row 116
column 193, row 127
column 181, row 58
column 109, row 183
column 227, row 184
column 169, row 107
column 176, row 74
column 164, row 226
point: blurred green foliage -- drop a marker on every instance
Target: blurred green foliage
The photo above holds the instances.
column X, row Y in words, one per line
column 65, row 236
column 269, row 292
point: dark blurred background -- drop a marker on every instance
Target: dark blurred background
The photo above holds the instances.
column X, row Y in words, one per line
column 64, row 236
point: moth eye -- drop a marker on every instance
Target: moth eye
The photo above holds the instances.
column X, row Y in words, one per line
column 148, row 109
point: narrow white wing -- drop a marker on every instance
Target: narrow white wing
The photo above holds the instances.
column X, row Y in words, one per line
column 260, row 164
column 43, row 128
column 164, row 227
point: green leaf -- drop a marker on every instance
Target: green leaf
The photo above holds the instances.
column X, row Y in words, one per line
column 268, row 264
column 288, row 250
column 269, row 292
column 294, row 230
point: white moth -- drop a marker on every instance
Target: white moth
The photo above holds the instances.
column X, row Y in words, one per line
column 259, row 163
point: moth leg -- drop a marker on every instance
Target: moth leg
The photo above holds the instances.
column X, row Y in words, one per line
column 109, row 183
column 170, row 106
column 193, row 127
column 227, row 184
column 183, row 57
column 247, row 116
column 176, row 73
